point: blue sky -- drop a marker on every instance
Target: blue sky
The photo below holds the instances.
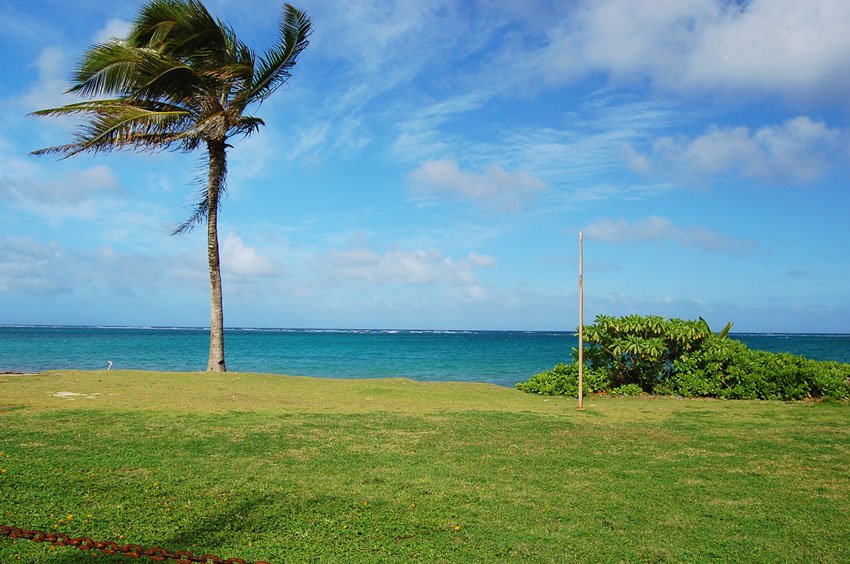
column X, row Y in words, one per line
column 430, row 163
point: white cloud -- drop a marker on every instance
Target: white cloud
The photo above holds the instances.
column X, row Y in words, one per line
column 26, row 264
column 656, row 229
column 49, row 89
column 77, row 194
column 637, row 161
column 772, row 45
column 783, row 47
column 652, row 228
column 241, row 260
column 494, row 187
column 411, row 267
column 114, row 29
column 138, row 225
column 74, row 186
column 797, row 150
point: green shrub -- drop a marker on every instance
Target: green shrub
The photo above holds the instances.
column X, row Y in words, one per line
column 829, row 379
column 562, row 380
column 641, row 350
column 727, row 368
column 627, row 390
column 703, row 372
column 627, row 355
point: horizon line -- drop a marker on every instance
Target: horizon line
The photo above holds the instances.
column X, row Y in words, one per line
column 360, row 329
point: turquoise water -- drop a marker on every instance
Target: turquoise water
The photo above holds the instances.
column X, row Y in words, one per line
column 499, row 357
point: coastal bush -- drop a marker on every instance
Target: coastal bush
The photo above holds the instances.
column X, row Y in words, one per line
column 639, row 349
column 726, row 368
column 633, row 354
column 703, row 372
column 627, row 390
column 829, row 379
column 562, row 380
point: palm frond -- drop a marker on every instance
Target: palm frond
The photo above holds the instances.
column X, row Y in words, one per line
column 179, row 79
column 125, row 126
column 107, row 68
column 246, row 125
column 116, row 68
column 213, row 124
column 161, row 78
column 199, row 215
column 111, row 105
column 183, row 30
column 275, row 64
column 162, row 23
column 182, row 33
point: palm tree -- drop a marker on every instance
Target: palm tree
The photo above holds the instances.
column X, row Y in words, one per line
column 181, row 79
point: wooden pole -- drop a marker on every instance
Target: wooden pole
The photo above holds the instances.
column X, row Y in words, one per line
column 580, row 321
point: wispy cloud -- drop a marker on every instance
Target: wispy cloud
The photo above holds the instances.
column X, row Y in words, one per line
column 420, row 134
column 570, row 159
column 412, row 267
column 309, row 140
column 798, row 273
column 494, row 187
column 388, row 42
column 587, row 143
column 656, row 229
column 77, row 194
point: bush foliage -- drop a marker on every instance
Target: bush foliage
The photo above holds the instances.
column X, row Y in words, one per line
column 635, row 354
column 562, row 380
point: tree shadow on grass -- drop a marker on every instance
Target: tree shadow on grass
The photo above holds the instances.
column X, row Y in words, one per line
column 304, row 526
column 264, row 526
column 244, row 529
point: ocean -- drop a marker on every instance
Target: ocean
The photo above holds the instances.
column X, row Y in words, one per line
column 498, row 357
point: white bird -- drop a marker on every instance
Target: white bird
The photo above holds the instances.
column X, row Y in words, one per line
column 110, row 365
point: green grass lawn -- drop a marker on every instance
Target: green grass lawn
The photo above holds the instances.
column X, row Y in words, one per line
column 293, row 469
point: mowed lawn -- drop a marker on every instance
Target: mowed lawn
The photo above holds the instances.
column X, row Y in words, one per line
column 289, row 469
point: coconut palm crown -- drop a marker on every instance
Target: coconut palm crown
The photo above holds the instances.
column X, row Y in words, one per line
column 180, row 80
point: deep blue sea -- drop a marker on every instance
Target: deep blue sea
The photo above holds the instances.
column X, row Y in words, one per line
column 499, row 357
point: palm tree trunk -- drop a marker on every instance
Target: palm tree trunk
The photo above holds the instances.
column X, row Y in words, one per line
column 216, row 178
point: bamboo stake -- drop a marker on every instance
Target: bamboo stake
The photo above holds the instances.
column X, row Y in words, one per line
column 580, row 321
